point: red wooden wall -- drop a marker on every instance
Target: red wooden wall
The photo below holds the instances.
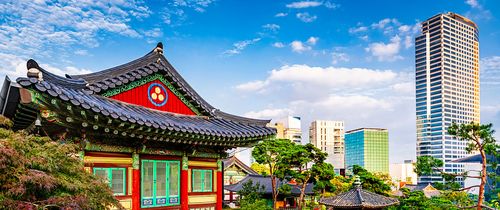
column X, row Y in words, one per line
column 154, row 95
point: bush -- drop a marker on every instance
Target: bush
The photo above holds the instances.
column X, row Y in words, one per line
column 38, row 173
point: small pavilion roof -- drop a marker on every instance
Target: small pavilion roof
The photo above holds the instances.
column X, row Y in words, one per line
column 357, row 198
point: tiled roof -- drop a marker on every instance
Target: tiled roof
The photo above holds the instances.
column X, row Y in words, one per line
column 151, row 63
column 265, row 181
column 233, row 160
column 83, row 92
column 358, row 198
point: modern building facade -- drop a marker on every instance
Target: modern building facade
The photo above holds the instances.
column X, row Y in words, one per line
column 329, row 137
column 403, row 173
column 447, row 86
column 369, row 148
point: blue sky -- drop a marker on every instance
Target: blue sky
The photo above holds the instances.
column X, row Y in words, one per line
column 330, row 60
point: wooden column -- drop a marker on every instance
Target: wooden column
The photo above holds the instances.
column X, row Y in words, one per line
column 220, row 184
column 184, row 183
column 136, row 182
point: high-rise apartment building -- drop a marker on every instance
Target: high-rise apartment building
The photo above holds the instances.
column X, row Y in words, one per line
column 369, row 148
column 447, row 86
column 329, row 137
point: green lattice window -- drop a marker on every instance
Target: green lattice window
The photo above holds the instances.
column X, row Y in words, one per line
column 202, row 180
column 160, row 182
column 115, row 177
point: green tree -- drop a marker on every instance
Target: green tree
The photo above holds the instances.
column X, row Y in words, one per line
column 38, row 173
column 272, row 154
column 298, row 158
column 260, row 168
column 372, row 182
column 251, row 197
column 478, row 138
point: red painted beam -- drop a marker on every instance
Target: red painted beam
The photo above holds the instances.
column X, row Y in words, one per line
column 184, row 190
column 136, row 189
column 220, row 191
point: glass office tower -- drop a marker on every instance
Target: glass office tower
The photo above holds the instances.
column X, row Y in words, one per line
column 447, row 86
column 369, row 148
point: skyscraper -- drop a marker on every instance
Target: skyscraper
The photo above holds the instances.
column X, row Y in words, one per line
column 369, row 148
column 447, row 86
column 329, row 137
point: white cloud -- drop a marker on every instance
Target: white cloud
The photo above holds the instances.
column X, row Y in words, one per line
column 299, row 76
column 269, row 113
column 384, row 22
column 490, row 71
column 404, row 28
column 303, row 4
column 307, row 4
column 271, row 27
column 472, row 3
column 408, row 42
column 312, row 40
column 81, row 52
column 281, row 14
column 360, row 97
column 339, row 57
column 15, row 66
column 278, row 45
column 240, row 46
column 386, row 52
column 298, row 46
column 306, row 17
column 175, row 12
column 358, row 29
column 364, row 38
column 48, row 28
column 406, row 88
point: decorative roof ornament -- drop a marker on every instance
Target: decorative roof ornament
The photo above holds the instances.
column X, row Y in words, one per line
column 159, row 48
column 34, row 70
column 357, row 181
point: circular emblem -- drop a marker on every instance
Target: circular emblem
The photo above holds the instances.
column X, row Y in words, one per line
column 157, row 94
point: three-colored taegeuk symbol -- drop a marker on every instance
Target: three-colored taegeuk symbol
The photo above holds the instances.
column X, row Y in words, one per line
column 157, row 94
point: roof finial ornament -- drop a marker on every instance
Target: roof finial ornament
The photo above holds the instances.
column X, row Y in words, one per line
column 159, row 48
column 33, row 69
column 357, row 181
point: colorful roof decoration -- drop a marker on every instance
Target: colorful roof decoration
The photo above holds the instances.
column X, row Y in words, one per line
column 145, row 99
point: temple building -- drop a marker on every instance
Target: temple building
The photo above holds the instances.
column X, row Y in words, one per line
column 141, row 127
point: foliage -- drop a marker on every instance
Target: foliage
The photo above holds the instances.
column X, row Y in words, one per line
column 272, row 153
column 38, row 173
column 302, row 163
column 340, row 184
column 251, row 197
column 260, row 168
column 447, row 200
column 372, row 182
column 298, row 157
column 478, row 138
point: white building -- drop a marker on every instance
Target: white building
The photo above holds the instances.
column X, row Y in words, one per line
column 292, row 128
column 403, row 173
column 329, row 137
column 447, row 86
